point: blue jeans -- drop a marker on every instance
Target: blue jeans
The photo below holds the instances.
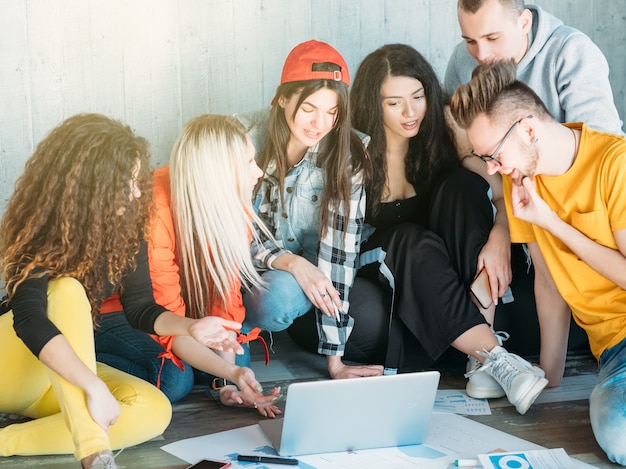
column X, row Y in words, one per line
column 274, row 309
column 121, row 346
column 607, row 404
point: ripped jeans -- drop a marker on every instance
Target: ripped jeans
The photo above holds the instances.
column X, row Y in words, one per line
column 607, row 404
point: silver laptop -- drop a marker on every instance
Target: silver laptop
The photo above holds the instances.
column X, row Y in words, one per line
column 351, row 414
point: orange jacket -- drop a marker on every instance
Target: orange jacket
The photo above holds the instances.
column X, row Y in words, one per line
column 164, row 271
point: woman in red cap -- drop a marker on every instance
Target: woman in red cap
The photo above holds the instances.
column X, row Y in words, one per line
column 312, row 199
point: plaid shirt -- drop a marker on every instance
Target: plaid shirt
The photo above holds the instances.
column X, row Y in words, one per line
column 296, row 229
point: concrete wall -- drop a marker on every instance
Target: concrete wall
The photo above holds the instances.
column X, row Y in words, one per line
column 156, row 63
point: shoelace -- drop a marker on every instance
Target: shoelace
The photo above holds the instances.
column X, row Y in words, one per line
column 504, row 366
column 501, row 337
column 110, row 460
column 477, row 367
column 115, row 455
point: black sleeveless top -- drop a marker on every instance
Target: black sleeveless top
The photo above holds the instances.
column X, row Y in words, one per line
column 390, row 214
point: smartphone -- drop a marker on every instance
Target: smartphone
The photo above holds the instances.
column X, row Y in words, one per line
column 481, row 289
column 210, row 464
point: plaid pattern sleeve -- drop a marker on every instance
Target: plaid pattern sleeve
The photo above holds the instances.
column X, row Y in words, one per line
column 338, row 253
column 264, row 249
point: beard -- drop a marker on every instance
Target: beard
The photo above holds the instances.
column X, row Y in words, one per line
column 533, row 157
column 530, row 169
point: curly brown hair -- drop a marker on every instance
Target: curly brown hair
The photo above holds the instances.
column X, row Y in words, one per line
column 73, row 212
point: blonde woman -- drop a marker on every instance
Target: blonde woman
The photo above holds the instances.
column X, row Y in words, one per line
column 199, row 255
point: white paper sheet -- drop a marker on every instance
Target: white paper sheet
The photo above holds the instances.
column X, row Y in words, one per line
column 456, row 401
column 536, row 459
column 450, row 437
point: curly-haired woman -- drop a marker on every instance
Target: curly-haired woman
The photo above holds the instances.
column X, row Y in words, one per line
column 70, row 236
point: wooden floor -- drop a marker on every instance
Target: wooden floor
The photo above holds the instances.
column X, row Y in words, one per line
column 559, row 417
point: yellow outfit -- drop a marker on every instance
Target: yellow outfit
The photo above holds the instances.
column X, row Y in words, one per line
column 62, row 423
column 588, row 196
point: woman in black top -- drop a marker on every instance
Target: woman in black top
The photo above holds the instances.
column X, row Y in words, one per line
column 432, row 217
column 433, row 230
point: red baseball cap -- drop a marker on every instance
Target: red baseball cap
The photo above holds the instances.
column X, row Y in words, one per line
column 300, row 63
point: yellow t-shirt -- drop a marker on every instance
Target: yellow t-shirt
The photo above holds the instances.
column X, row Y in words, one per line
column 591, row 197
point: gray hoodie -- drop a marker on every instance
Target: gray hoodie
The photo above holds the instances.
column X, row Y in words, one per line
column 563, row 66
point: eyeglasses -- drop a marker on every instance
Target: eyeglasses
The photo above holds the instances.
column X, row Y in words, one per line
column 492, row 157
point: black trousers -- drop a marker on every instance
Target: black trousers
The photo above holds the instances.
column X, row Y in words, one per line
column 411, row 299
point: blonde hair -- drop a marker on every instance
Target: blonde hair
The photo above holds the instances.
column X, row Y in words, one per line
column 212, row 210
column 495, row 91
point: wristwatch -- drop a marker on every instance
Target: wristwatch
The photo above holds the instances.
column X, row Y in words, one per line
column 219, row 383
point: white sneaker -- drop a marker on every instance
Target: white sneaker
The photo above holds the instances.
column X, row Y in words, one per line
column 103, row 461
column 482, row 385
column 519, row 379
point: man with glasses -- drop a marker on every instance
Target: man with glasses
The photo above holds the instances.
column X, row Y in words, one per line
column 563, row 187
column 493, row 156
column 571, row 76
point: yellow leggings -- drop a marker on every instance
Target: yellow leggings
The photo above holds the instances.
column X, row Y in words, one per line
column 61, row 421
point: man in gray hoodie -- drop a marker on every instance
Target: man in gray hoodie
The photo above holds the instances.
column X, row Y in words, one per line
column 561, row 64
column 570, row 75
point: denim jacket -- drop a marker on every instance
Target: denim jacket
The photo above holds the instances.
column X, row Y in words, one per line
column 296, row 229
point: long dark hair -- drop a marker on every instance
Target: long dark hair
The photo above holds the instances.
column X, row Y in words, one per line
column 341, row 154
column 432, row 151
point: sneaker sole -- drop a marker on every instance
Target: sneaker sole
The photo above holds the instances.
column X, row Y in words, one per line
column 483, row 393
column 531, row 393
